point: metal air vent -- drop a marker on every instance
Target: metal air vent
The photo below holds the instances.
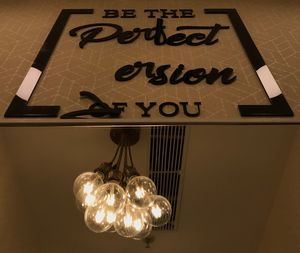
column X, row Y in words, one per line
column 166, row 159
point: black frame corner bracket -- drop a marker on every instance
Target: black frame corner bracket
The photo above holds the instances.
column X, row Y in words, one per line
column 279, row 106
column 18, row 107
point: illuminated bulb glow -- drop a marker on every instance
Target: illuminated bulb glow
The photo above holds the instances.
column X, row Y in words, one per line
column 138, row 225
column 156, row 211
column 99, row 216
column 127, row 220
column 132, row 213
column 111, row 217
column 88, row 188
column 110, row 200
column 89, row 199
column 140, row 193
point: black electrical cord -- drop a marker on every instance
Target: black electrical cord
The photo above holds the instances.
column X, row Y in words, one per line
column 130, row 156
column 116, row 153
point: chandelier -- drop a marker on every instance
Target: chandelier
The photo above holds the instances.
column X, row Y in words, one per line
column 116, row 198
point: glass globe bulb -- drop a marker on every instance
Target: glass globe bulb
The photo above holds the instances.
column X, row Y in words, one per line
column 131, row 221
column 112, row 196
column 145, row 232
column 147, row 227
column 139, row 189
column 98, row 219
column 159, row 210
column 83, row 181
column 80, row 180
column 84, row 187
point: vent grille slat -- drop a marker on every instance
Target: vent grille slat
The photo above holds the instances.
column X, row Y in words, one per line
column 166, row 156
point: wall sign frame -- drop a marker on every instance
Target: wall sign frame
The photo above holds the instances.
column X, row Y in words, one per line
column 19, row 108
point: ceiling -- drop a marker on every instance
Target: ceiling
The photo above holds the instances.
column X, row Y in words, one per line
column 231, row 175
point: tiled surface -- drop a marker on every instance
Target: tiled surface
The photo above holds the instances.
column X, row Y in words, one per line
column 274, row 26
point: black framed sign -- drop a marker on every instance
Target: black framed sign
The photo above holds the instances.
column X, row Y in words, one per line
column 141, row 65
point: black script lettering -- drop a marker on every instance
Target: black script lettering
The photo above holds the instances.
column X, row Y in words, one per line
column 200, row 37
column 209, row 39
column 128, row 72
column 160, row 37
column 89, row 35
column 197, row 74
column 128, row 37
column 176, row 39
column 226, row 75
column 145, row 109
column 157, row 34
column 159, row 77
column 174, row 79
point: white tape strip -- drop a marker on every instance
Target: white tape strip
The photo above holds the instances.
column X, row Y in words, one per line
column 268, row 81
column 28, row 84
